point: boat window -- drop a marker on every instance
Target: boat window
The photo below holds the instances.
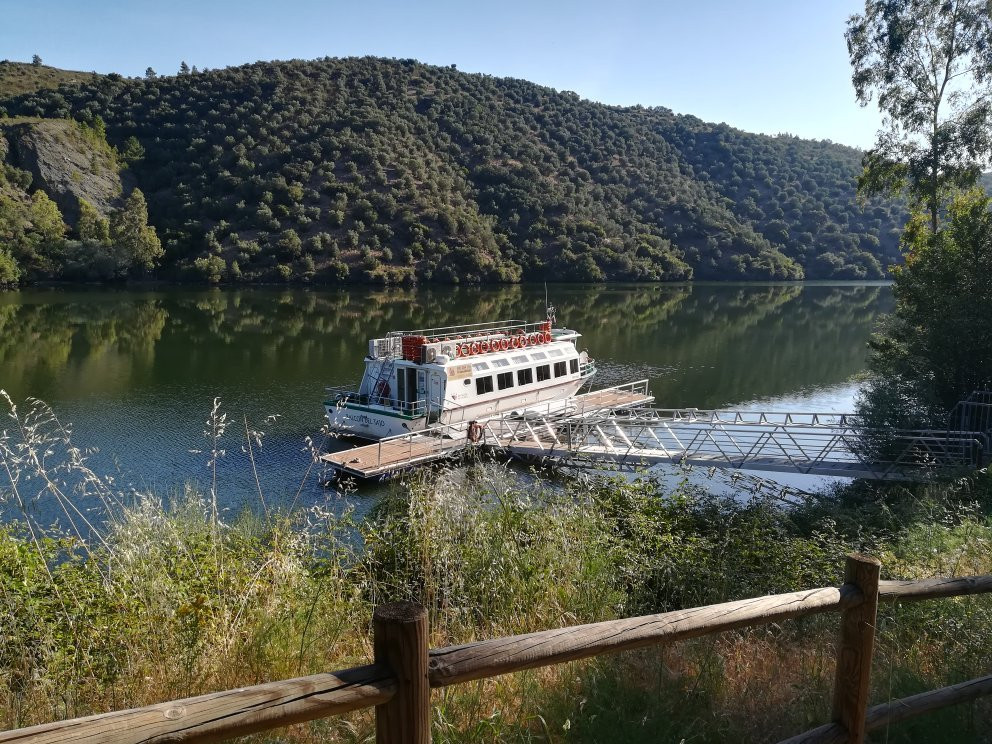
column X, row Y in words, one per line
column 556, row 352
column 504, row 380
column 544, row 372
column 484, row 385
column 560, row 369
column 522, row 359
column 499, row 362
column 573, row 365
column 480, row 366
column 525, row 376
column 539, row 355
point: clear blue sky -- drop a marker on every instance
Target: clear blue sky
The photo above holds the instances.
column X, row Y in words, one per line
column 761, row 65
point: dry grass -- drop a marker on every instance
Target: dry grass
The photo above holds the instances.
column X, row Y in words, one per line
column 21, row 77
column 135, row 600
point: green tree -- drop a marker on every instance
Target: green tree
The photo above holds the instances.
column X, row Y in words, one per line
column 92, row 226
column 36, row 60
column 289, row 244
column 130, row 230
column 132, row 152
column 211, row 268
column 10, row 272
column 47, row 224
column 183, row 68
column 150, row 74
column 928, row 65
column 937, row 345
column 33, row 233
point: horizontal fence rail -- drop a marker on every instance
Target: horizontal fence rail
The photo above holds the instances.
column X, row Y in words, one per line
column 397, row 684
column 903, row 709
column 222, row 715
column 455, row 664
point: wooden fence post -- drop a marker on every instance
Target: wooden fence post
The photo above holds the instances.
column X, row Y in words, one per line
column 857, row 641
column 399, row 640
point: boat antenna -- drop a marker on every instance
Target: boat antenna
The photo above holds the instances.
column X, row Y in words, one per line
column 548, row 306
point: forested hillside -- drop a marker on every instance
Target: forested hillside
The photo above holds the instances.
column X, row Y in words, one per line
column 390, row 170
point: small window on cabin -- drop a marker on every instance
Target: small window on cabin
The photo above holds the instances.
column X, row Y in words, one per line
column 504, row 380
column 480, row 366
column 573, row 365
column 499, row 362
column 556, row 352
column 544, row 372
column 539, row 355
column 560, row 369
column 522, row 359
column 484, row 385
column 525, row 376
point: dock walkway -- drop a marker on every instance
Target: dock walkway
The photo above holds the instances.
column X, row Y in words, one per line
column 394, row 454
column 616, row 427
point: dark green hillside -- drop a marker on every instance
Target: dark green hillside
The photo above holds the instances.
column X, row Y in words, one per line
column 389, row 170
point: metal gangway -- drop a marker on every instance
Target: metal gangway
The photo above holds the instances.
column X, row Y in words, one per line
column 828, row 444
column 618, row 427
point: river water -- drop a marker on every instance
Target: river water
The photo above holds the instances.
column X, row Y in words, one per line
column 136, row 371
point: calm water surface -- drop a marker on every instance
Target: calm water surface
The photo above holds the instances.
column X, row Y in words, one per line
column 136, row 372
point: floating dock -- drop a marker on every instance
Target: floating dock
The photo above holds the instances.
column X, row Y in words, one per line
column 394, row 454
column 617, row 427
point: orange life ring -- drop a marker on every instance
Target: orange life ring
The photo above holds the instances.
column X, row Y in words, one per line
column 515, row 342
column 484, row 346
column 504, row 344
column 534, row 339
column 475, row 347
column 474, row 432
column 547, row 337
column 465, row 349
column 524, row 342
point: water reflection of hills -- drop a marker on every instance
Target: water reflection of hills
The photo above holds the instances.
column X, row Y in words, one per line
column 706, row 345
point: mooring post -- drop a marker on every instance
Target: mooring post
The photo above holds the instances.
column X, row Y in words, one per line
column 399, row 639
column 857, row 642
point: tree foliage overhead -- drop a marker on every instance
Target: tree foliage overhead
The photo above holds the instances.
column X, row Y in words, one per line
column 936, row 348
column 390, row 170
column 928, row 64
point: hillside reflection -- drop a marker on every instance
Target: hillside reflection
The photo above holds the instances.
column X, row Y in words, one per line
column 703, row 345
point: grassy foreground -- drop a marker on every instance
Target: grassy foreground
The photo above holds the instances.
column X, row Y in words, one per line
column 164, row 599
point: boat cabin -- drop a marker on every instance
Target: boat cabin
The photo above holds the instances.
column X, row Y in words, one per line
column 458, row 374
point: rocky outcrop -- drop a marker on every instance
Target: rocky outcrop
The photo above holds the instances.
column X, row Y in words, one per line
column 65, row 163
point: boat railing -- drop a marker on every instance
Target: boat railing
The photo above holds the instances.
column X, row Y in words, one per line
column 572, row 407
column 341, row 395
column 472, row 330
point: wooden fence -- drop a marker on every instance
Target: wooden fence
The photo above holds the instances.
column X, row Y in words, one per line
column 399, row 681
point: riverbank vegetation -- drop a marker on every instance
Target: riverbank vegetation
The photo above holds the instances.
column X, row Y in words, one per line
column 926, row 64
column 392, row 171
column 138, row 598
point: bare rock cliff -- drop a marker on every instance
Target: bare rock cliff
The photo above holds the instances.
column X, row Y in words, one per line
column 65, row 163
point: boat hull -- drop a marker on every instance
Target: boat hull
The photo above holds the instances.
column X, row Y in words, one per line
column 365, row 422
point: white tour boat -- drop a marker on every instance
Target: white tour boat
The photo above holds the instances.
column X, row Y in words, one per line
column 457, row 375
